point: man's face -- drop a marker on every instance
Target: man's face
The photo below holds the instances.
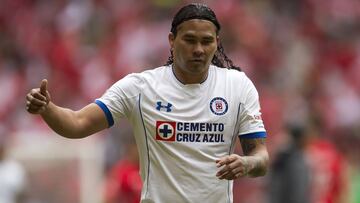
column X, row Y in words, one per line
column 194, row 46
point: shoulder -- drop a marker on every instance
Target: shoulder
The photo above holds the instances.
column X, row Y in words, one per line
column 235, row 77
column 140, row 79
column 154, row 73
column 149, row 74
column 229, row 73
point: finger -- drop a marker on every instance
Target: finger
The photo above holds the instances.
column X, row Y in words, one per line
column 241, row 173
column 218, row 164
column 237, row 164
column 36, row 97
column 39, row 96
column 234, row 164
column 237, row 172
column 225, row 160
column 233, row 174
column 240, row 165
column 33, row 109
column 30, row 110
column 226, row 169
column 222, row 176
column 29, row 97
column 222, row 161
column 30, row 105
column 227, row 176
column 43, row 87
column 35, row 101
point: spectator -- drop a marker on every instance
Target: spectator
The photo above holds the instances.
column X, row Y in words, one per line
column 12, row 177
column 123, row 184
column 328, row 169
column 289, row 175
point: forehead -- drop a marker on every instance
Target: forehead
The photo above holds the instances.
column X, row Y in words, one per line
column 197, row 27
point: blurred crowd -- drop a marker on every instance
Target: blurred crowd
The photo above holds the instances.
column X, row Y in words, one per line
column 303, row 56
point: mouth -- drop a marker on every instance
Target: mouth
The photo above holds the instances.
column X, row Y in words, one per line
column 197, row 60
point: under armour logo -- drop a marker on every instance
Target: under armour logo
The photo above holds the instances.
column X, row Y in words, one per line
column 160, row 106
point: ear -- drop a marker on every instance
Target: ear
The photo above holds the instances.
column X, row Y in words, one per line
column 171, row 38
column 217, row 40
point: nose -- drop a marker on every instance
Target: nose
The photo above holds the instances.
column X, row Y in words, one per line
column 198, row 49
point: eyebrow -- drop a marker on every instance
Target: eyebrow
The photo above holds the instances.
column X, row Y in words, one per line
column 209, row 38
column 193, row 36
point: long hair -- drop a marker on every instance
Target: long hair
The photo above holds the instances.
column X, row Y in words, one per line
column 201, row 11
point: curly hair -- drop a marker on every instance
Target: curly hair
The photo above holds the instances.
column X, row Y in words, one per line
column 201, row 11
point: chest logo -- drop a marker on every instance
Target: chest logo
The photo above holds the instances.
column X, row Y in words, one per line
column 219, row 106
column 165, row 130
column 167, row 107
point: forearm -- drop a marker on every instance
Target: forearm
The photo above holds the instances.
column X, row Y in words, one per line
column 63, row 121
column 253, row 164
column 257, row 163
column 256, row 156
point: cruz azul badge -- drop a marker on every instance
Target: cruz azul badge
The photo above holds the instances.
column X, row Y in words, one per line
column 219, row 106
column 165, row 130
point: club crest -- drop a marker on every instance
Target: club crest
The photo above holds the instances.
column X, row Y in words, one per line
column 219, row 106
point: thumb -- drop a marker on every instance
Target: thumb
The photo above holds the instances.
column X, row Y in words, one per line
column 43, row 87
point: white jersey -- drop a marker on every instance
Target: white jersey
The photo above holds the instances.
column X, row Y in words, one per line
column 182, row 129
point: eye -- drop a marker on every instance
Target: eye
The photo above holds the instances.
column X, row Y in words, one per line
column 190, row 40
column 207, row 42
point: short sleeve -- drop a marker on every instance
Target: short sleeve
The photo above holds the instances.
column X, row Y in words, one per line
column 251, row 123
column 119, row 100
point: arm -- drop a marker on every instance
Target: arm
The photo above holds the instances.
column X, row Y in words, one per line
column 256, row 153
column 65, row 122
column 254, row 163
column 75, row 124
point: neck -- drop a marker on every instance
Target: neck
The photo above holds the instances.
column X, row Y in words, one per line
column 190, row 78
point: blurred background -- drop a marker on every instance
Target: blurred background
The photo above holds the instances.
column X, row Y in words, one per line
column 302, row 55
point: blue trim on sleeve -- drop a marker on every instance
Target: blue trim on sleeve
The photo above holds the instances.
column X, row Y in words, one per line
column 254, row 135
column 107, row 112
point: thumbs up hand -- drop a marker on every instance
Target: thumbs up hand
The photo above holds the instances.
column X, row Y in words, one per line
column 38, row 99
column 43, row 87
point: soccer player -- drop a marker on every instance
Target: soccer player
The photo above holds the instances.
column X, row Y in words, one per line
column 186, row 115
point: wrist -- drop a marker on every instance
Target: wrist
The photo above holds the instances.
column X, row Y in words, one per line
column 46, row 109
column 255, row 166
column 248, row 165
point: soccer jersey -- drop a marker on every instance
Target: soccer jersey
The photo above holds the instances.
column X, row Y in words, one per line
column 182, row 129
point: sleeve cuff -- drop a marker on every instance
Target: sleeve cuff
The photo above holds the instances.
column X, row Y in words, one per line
column 254, row 135
column 107, row 112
